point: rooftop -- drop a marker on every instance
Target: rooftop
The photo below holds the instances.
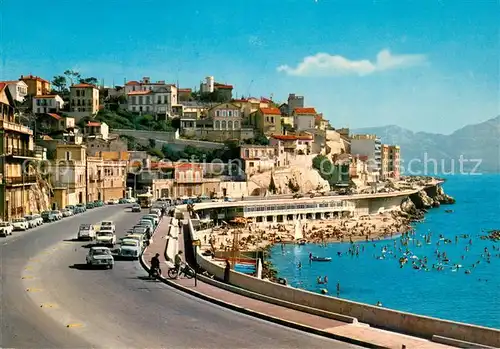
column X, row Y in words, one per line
column 140, row 93
column 31, row 77
column 46, row 96
column 270, row 111
column 293, row 137
column 93, row 124
column 305, row 111
column 82, row 86
column 55, row 116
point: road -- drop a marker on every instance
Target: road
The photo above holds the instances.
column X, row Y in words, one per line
column 46, row 288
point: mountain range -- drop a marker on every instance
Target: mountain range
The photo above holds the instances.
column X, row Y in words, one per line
column 477, row 144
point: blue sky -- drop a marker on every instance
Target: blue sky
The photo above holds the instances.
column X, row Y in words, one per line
column 438, row 65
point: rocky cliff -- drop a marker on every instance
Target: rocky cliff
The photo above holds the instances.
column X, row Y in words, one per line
column 417, row 204
column 300, row 178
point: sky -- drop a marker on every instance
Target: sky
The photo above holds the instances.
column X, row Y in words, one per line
column 427, row 65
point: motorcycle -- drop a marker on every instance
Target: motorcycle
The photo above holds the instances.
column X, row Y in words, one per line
column 185, row 270
column 155, row 273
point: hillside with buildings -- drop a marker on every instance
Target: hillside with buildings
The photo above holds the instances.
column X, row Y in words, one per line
column 477, row 141
column 84, row 143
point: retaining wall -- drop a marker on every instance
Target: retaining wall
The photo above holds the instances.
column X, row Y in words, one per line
column 397, row 321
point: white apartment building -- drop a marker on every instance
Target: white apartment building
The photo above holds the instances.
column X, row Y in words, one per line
column 84, row 100
column 47, row 104
column 304, row 119
column 369, row 146
column 148, row 97
column 18, row 89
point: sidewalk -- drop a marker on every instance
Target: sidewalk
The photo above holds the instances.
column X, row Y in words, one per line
column 338, row 329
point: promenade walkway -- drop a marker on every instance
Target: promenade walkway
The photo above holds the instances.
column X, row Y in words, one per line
column 360, row 332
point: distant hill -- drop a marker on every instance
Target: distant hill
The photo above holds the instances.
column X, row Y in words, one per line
column 473, row 142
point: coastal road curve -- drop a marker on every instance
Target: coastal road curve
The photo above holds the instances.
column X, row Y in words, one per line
column 49, row 299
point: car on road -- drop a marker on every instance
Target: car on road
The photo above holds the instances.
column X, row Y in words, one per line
column 147, row 223
column 49, row 216
column 6, row 229
column 33, row 221
column 86, row 232
column 101, row 257
column 130, row 248
column 142, row 239
column 20, row 224
column 106, row 236
column 113, row 202
column 105, row 224
column 81, row 207
column 136, row 208
column 58, row 214
column 152, row 217
column 66, row 212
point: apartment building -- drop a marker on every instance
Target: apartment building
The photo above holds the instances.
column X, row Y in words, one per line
column 18, row 89
column 304, row 119
column 225, row 116
column 36, row 85
column 267, row 121
column 107, row 174
column 390, row 161
column 84, row 100
column 47, row 104
column 69, row 173
column 369, row 146
column 292, row 144
column 147, row 97
column 16, row 147
column 258, row 158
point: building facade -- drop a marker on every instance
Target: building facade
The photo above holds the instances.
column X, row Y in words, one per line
column 70, row 173
column 84, row 100
column 294, row 102
column 188, row 180
column 369, row 146
column 36, row 85
column 18, row 89
column 97, row 145
column 17, row 147
column 292, row 144
column 47, row 104
column 95, row 129
column 267, row 121
column 304, row 119
column 225, row 116
column 257, row 158
column 51, row 122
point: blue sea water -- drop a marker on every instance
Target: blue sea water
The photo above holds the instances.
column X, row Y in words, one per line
column 470, row 298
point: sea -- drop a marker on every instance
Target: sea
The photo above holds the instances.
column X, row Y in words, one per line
column 450, row 294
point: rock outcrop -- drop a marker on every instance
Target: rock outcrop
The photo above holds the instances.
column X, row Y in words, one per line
column 417, row 204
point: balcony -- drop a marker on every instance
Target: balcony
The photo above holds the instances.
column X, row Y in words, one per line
column 27, row 153
column 21, row 180
column 12, row 126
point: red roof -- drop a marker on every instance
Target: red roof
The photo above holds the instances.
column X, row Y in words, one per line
column 223, row 86
column 292, row 137
column 131, row 83
column 55, row 116
column 93, row 123
column 2, row 86
column 83, row 85
column 31, row 77
column 133, row 93
column 266, row 100
column 270, row 111
column 304, row 111
column 185, row 90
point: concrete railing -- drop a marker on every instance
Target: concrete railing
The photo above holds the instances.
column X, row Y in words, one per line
column 417, row 325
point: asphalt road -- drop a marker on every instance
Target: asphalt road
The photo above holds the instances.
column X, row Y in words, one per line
column 46, row 288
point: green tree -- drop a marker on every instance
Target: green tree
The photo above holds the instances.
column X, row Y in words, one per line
column 59, row 82
column 90, row 81
column 72, row 75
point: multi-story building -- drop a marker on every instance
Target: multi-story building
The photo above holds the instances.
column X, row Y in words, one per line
column 95, row 129
column 369, row 146
column 97, row 145
column 36, row 85
column 184, row 94
column 84, row 100
column 208, row 86
column 107, row 173
column 17, row 150
column 304, row 119
column 250, row 105
column 47, row 104
column 156, row 98
column 69, row 174
column 294, row 102
column 267, row 121
column 384, row 161
column 188, row 180
column 225, row 116
column 51, row 122
column 18, row 89
column 292, row 144
column 257, row 158
column 321, row 123
column 394, row 162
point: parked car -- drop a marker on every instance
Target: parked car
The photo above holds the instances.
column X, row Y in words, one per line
column 101, row 257
column 123, row 201
column 32, row 222
column 82, row 207
column 113, row 202
column 86, row 232
column 38, row 219
column 67, row 212
column 6, row 229
column 140, row 238
column 148, row 228
column 106, row 236
column 20, row 224
column 136, row 208
column 90, row 205
column 105, row 224
column 153, row 217
column 156, row 211
column 58, row 214
column 49, row 216
column 130, row 248
column 71, row 207
column 147, row 222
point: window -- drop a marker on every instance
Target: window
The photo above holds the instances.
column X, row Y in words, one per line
column 229, row 113
column 230, row 125
column 82, row 93
column 140, row 101
column 224, row 113
column 68, row 155
column 38, row 110
column 133, row 109
column 223, row 125
column 77, row 93
column 37, row 102
column 236, row 125
column 250, row 164
column 272, row 119
column 217, row 113
column 217, row 125
column 236, row 113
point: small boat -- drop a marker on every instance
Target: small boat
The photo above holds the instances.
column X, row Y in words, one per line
column 448, row 211
column 321, row 259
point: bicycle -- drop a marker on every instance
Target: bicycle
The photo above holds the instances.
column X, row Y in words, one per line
column 185, row 270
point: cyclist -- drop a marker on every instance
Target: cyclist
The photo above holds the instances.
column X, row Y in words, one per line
column 155, row 265
column 178, row 262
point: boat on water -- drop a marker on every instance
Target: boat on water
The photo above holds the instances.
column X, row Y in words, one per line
column 321, row 259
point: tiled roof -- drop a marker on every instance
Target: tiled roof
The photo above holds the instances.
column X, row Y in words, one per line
column 292, row 137
column 304, row 111
column 223, row 86
column 55, row 116
column 270, row 111
column 83, row 85
column 10, row 82
column 185, row 90
column 140, row 93
column 46, row 96
column 93, row 123
column 266, row 100
column 2, row 86
column 31, row 77
column 132, row 83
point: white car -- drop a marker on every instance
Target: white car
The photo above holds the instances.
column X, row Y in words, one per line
column 6, row 229
column 86, row 232
column 38, row 219
column 32, row 221
column 106, row 236
column 66, row 212
column 107, row 224
column 113, row 202
column 130, row 248
column 100, row 256
column 20, row 224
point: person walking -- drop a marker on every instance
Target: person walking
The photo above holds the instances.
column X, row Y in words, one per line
column 227, row 271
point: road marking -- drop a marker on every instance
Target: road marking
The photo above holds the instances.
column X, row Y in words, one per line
column 33, row 290
column 28, row 277
column 74, row 325
column 48, row 305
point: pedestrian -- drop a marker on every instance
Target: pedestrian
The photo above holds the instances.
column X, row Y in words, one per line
column 227, row 271
column 338, row 289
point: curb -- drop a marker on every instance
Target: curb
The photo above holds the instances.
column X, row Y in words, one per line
column 259, row 315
